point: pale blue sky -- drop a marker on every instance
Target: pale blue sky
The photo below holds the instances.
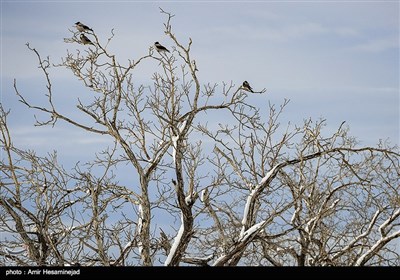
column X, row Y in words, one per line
column 337, row 60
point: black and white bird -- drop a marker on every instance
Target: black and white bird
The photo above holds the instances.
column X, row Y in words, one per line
column 160, row 48
column 246, row 86
column 81, row 27
column 85, row 40
column 194, row 65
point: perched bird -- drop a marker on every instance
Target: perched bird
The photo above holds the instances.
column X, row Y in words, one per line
column 160, row 48
column 204, row 195
column 85, row 40
column 82, row 28
column 246, row 86
column 194, row 65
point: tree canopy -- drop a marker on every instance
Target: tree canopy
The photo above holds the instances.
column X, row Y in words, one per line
column 215, row 180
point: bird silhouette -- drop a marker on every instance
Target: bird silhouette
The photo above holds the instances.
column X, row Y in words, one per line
column 81, row 27
column 160, row 48
column 246, row 86
column 85, row 40
column 194, row 65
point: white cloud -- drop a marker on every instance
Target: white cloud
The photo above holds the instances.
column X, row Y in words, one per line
column 298, row 31
column 285, row 33
column 56, row 138
column 346, row 31
column 378, row 45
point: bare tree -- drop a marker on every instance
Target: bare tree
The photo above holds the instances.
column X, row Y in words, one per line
column 241, row 191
